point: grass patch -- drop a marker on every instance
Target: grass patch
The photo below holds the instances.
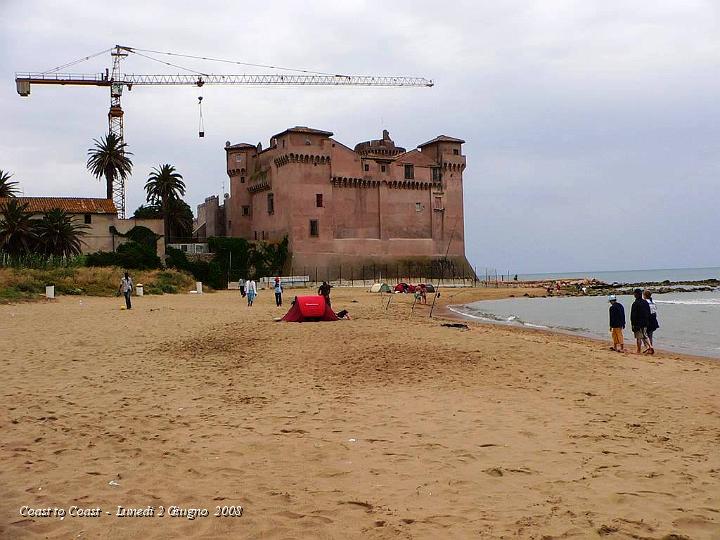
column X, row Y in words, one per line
column 28, row 283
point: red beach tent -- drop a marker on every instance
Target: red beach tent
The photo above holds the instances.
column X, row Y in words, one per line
column 309, row 309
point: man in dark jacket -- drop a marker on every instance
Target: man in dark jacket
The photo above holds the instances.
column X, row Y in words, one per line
column 639, row 320
column 617, row 323
column 324, row 290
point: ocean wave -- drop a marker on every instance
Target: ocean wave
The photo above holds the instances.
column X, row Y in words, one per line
column 698, row 302
column 512, row 319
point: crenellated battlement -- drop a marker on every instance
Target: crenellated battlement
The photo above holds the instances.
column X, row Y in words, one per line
column 310, row 159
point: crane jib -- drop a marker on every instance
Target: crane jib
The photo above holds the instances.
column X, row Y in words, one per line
column 25, row 80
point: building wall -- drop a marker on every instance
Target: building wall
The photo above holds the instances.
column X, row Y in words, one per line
column 367, row 215
column 211, row 214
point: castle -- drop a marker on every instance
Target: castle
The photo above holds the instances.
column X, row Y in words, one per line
column 372, row 205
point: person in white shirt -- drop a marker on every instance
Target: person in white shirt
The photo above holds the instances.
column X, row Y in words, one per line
column 126, row 287
column 250, row 291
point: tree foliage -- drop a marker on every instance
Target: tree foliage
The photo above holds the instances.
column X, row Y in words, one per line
column 109, row 159
column 17, row 232
column 164, row 187
column 7, row 187
column 59, row 235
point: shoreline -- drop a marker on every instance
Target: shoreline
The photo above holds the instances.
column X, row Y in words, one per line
column 447, row 312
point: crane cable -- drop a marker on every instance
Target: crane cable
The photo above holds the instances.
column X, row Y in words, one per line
column 84, row 58
column 167, row 63
column 210, row 59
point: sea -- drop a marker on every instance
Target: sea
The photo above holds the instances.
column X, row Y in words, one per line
column 633, row 276
column 689, row 321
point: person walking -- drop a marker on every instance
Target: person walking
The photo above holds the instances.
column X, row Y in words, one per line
column 617, row 323
column 639, row 320
column 653, row 324
column 126, row 287
column 241, row 286
column 250, row 291
column 278, row 292
column 324, row 290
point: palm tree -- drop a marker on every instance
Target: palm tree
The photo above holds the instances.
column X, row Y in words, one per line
column 7, row 188
column 58, row 234
column 180, row 219
column 17, row 235
column 109, row 158
column 164, row 185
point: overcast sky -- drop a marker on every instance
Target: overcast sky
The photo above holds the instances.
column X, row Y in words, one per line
column 592, row 127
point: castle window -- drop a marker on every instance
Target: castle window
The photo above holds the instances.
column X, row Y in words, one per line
column 314, row 228
column 264, row 235
column 367, row 167
column 271, row 203
column 409, row 172
column 438, row 203
column 238, row 158
column 88, row 219
column 456, row 151
column 436, row 174
column 418, row 207
column 245, row 210
column 242, row 179
column 283, row 143
column 255, row 232
column 319, row 200
column 382, row 168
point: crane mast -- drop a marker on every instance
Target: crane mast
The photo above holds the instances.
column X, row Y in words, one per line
column 116, row 81
column 115, row 122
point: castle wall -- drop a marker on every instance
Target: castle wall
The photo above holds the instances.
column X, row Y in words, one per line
column 378, row 206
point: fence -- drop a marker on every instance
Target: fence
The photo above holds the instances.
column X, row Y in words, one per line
column 445, row 275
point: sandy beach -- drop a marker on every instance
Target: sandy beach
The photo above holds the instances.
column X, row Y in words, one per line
column 385, row 426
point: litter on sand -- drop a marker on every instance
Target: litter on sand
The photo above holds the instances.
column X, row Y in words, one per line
column 457, row 325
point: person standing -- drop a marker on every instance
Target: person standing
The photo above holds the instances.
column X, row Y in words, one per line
column 324, row 291
column 653, row 324
column 250, row 291
column 241, row 286
column 639, row 320
column 278, row 292
column 617, row 323
column 126, row 287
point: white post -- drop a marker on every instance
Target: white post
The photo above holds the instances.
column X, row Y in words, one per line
column 50, row 291
column 198, row 287
column 139, row 290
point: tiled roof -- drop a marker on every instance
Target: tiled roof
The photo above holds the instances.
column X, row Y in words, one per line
column 305, row 129
column 240, row 145
column 71, row 205
column 442, row 138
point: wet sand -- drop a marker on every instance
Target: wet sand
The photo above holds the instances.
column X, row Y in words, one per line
column 386, row 426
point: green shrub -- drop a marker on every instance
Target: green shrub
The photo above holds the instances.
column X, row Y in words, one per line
column 131, row 255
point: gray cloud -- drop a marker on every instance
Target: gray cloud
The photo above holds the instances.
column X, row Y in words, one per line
column 592, row 126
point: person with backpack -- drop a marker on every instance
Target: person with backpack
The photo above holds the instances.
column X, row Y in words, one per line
column 640, row 320
column 653, row 324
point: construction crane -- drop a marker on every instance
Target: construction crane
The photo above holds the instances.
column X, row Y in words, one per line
column 117, row 81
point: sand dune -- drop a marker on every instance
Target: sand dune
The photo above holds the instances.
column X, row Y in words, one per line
column 385, row 426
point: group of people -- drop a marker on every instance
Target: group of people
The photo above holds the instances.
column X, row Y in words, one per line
column 249, row 290
column 643, row 321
